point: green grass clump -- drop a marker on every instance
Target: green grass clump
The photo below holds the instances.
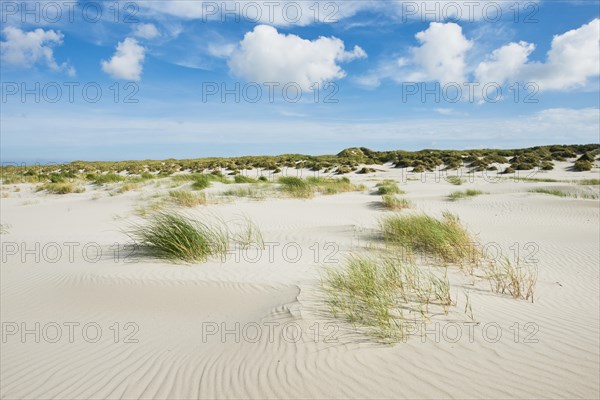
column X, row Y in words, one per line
column 455, row 180
column 582, row 165
column 387, row 187
column 393, row 203
column 306, row 188
column 248, row 192
column 535, row 179
column 553, row 192
column 108, row 178
column 61, row 188
column 383, row 296
column 589, row 182
column 129, row 186
column 244, row 179
column 463, row 195
column 563, row 193
column 446, row 238
column 201, row 182
column 175, row 237
column 296, row 187
column 333, row 185
column 184, row 198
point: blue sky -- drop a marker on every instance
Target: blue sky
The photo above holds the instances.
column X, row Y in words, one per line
column 361, row 68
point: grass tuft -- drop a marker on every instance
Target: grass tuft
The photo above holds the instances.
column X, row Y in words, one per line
column 61, row 188
column 519, row 282
column 563, row 193
column 296, row 187
column 175, row 237
column 589, row 182
column 455, row 180
column 378, row 295
column 446, row 238
column 201, row 182
column 184, row 198
column 107, row 178
column 248, row 192
column 393, row 203
column 128, row 186
column 244, row 179
column 454, row 196
column 387, row 187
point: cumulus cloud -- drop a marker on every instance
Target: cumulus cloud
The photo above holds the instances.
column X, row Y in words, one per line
column 441, row 55
column 573, row 58
column 265, row 55
column 127, row 61
column 504, row 63
column 220, row 50
column 146, row 31
column 25, row 49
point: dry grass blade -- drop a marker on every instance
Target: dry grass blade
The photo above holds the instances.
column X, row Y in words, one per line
column 517, row 281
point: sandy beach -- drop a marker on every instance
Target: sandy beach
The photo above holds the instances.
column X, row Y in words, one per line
column 85, row 316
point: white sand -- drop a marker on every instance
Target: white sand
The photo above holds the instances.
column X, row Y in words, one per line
column 171, row 306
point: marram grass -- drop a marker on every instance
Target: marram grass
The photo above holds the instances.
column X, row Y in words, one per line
column 394, row 203
column 446, row 238
column 306, row 188
column 61, row 188
column 387, row 187
column 516, row 280
column 454, row 196
column 455, row 180
column 185, row 198
column 383, row 297
column 175, row 237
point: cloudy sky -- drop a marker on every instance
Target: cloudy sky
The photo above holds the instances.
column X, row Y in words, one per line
column 160, row 79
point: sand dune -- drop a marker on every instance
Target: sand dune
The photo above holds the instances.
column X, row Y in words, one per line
column 171, row 318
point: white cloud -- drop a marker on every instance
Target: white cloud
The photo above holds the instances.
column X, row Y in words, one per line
column 127, row 61
column 265, row 55
column 146, row 31
column 441, row 56
column 504, row 63
column 573, row 58
column 220, row 50
column 25, row 49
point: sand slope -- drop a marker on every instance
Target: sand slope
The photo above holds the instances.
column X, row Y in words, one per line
column 169, row 349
